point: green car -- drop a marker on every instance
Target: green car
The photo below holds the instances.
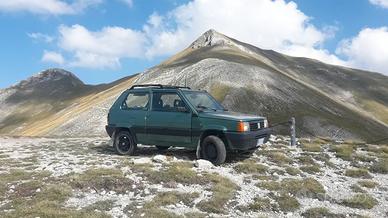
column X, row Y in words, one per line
column 168, row 116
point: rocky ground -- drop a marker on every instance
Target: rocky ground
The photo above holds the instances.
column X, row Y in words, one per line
column 82, row 177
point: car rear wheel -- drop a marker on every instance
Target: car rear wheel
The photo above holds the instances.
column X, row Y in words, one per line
column 162, row 148
column 213, row 150
column 124, row 143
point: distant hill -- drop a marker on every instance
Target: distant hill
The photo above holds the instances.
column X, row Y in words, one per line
column 326, row 100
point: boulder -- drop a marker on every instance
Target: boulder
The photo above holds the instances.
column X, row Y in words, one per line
column 203, row 164
column 159, row 158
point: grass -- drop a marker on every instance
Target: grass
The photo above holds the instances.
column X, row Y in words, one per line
column 175, row 173
column 343, row 151
column 361, row 201
column 108, row 179
column 293, row 171
column 261, row 204
column 368, row 183
column 320, row 212
column 172, row 197
column 195, row 215
column 380, row 166
column 223, row 190
column 250, row 167
column 311, row 169
column 287, row 203
column 47, row 203
column 306, row 159
column 219, row 91
column 307, row 187
column 311, row 147
column 358, row 173
column 279, row 158
column 356, row 188
column 269, row 185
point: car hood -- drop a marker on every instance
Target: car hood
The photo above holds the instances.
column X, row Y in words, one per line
column 229, row 115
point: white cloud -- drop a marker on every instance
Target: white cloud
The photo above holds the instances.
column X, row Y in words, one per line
column 129, row 3
column 103, row 48
column 53, row 57
column 41, row 37
column 381, row 3
column 53, row 7
column 367, row 50
column 277, row 25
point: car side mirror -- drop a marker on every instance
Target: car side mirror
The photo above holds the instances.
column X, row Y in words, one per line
column 182, row 109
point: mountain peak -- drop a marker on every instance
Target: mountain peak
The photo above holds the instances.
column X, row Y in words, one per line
column 49, row 75
column 210, row 38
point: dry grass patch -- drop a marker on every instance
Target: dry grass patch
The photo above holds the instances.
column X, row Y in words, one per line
column 47, row 203
column 343, row 151
column 250, row 167
column 362, row 201
column 293, row 171
column 358, row 173
column 305, row 159
column 380, row 166
column 261, row 204
column 108, row 179
column 223, row 190
column 173, row 197
column 311, row 169
column 356, row 188
column 321, row 212
column 368, row 183
column 287, row 203
column 175, row 173
column 279, row 158
column 311, row 147
column 307, row 187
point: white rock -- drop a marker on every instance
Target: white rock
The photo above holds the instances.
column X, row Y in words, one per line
column 143, row 160
column 159, row 158
column 203, row 164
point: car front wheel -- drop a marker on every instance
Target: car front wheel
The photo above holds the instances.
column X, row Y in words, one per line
column 213, row 149
column 124, row 143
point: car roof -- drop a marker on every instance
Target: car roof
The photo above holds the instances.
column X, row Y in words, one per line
column 157, row 86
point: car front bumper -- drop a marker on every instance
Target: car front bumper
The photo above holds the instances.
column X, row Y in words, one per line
column 243, row 141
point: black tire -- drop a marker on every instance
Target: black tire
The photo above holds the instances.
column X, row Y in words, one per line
column 124, row 143
column 162, row 148
column 213, row 149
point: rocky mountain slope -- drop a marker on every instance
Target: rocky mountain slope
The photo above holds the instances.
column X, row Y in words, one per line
column 55, row 102
column 327, row 100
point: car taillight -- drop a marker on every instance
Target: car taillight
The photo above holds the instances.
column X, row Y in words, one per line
column 242, row 126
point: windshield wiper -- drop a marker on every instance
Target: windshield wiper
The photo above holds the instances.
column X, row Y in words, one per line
column 206, row 108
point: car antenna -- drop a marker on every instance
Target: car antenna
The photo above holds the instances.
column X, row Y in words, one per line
column 185, row 80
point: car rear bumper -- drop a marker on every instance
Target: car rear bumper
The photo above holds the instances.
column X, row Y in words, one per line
column 243, row 141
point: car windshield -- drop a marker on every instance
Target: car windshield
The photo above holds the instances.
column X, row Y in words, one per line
column 203, row 101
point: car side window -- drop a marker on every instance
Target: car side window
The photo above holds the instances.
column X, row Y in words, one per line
column 168, row 101
column 136, row 101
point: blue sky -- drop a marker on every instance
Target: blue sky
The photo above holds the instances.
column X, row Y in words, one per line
column 101, row 41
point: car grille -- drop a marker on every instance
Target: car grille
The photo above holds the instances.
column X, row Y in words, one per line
column 255, row 125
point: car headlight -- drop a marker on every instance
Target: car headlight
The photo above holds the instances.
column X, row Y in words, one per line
column 243, row 126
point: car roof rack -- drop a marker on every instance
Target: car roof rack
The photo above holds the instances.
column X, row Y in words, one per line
column 159, row 86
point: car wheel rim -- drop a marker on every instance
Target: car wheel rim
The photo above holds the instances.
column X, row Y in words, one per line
column 124, row 143
column 211, row 151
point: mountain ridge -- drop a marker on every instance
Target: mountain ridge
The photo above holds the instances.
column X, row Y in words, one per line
column 327, row 100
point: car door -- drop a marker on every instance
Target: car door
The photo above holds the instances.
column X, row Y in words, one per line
column 134, row 110
column 169, row 119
